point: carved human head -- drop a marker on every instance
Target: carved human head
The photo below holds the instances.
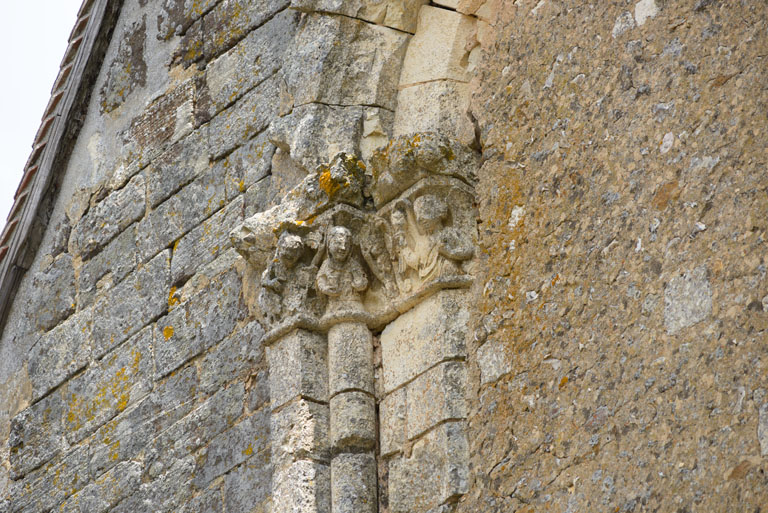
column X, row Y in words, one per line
column 289, row 248
column 339, row 243
column 430, row 212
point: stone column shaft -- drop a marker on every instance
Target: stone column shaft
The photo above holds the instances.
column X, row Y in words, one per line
column 298, row 377
column 353, row 419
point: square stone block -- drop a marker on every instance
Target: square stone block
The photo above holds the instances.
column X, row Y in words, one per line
column 353, row 483
column 298, row 367
column 304, row 487
column 431, row 332
column 436, row 472
column 392, row 411
column 440, row 47
column 337, row 60
column 300, row 431
column 440, row 106
column 435, row 396
column 398, row 14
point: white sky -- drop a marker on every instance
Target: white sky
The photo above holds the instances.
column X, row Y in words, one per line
column 33, row 39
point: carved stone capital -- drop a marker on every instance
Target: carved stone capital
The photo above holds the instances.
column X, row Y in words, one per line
column 346, row 246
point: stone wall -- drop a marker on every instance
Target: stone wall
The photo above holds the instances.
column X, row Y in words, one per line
column 619, row 357
column 403, row 256
column 135, row 369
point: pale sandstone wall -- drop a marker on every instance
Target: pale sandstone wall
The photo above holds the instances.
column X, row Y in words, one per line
column 619, row 361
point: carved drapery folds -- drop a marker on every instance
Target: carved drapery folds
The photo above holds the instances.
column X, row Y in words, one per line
column 408, row 230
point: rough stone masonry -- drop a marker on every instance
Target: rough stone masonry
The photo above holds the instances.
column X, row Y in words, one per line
column 397, row 256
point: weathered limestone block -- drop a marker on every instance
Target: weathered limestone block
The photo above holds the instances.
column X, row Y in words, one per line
column 166, row 492
column 299, row 431
column 205, row 242
column 398, row 14
column 123, row 437
column 208, row 501
column 436, row 396
column 302, row 488
column 440, row 48
column 119, row 380
column 392, row 419
column 174, row 397
column 286, row 174
column 246, row 487
column 440, row 106
column 38, row 492
column 117, row 259
column 132, row 304
column 451, row 4
column 312, row 134
column 106, row 491
column 233, row 447
column 128, row 71
column 230, row 20
column 350, row 355
column 343, row 61
column 60, row 353
column 353, row 478
column 177, row 17
column 179, row 214
column 165, row 121
column 36, row 435
column 233, row 358
column 245, row 119
column 176, row 167
column 298, row 366
column 353, row 422
column 247, row 165
column 436, row 472
column 250, row 62
column 55, row 298
column 199, row 323
column 429, row 333
column 199, row 427
column 109, row 217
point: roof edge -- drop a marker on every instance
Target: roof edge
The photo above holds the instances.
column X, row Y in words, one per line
column 53, row 143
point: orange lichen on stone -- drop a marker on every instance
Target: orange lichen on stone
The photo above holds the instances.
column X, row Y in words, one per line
column 327, row 183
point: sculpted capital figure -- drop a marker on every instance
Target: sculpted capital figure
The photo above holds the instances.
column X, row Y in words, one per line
column 438, row 250
column 286, row 283
column 341, row 277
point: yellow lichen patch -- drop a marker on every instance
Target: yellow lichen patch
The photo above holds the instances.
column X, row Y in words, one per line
column 173, row 299
column 168, row 332
column 114, row 393
column 327, row 184
column 563, row 382
column 248, row 451
column 114, row 453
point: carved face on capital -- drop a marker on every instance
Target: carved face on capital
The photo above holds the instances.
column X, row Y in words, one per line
column 339, row 243
column 289, row 249
column 430, row 211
